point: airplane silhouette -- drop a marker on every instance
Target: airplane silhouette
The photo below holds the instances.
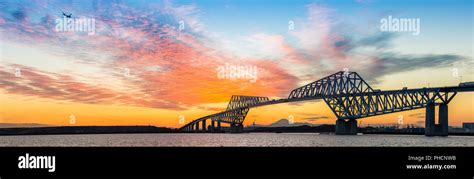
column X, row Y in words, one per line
column 66, row 15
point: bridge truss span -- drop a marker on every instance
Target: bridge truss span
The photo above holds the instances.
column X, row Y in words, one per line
column 360, row 105
column 337, row 83
column 349, row 97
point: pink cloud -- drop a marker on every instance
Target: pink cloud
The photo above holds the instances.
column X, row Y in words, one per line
column 171, row 68
column 290, row 54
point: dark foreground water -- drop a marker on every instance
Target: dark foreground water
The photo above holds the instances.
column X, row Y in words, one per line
column 252, row 139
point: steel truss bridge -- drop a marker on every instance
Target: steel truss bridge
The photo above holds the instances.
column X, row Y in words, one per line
column 350, row 98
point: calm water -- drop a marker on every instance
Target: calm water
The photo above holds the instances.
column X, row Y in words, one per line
column 252, row 139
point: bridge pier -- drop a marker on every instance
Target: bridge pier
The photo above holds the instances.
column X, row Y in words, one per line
column 346, row 127
column 204, row 125
column 443, row 120
column 213, row 126
column 219, row 129
column 196, row 125
column 236, row 128
column 433, row 129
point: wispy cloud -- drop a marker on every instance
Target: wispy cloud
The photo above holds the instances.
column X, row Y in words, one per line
column 330, row 45
column 315, row 118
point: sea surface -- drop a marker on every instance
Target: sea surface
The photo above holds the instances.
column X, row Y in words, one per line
column 246, row 139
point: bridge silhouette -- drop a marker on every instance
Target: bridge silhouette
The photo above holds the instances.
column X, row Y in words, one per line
column 350, row 98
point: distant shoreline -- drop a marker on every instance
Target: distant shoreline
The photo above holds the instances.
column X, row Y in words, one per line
column 71, row 130
column 58, row 130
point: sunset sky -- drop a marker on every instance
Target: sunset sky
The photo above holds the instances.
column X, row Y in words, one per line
column 150, row 62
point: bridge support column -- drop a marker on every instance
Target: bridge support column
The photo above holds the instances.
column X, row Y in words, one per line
column 442, row 127
column 204, row 125
column 433, row 129
column 197, row 126
column 236, row 128
column 430, row 126
column 219, row 126
column 346, row 127
column 232, row 128
column 213, row 126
